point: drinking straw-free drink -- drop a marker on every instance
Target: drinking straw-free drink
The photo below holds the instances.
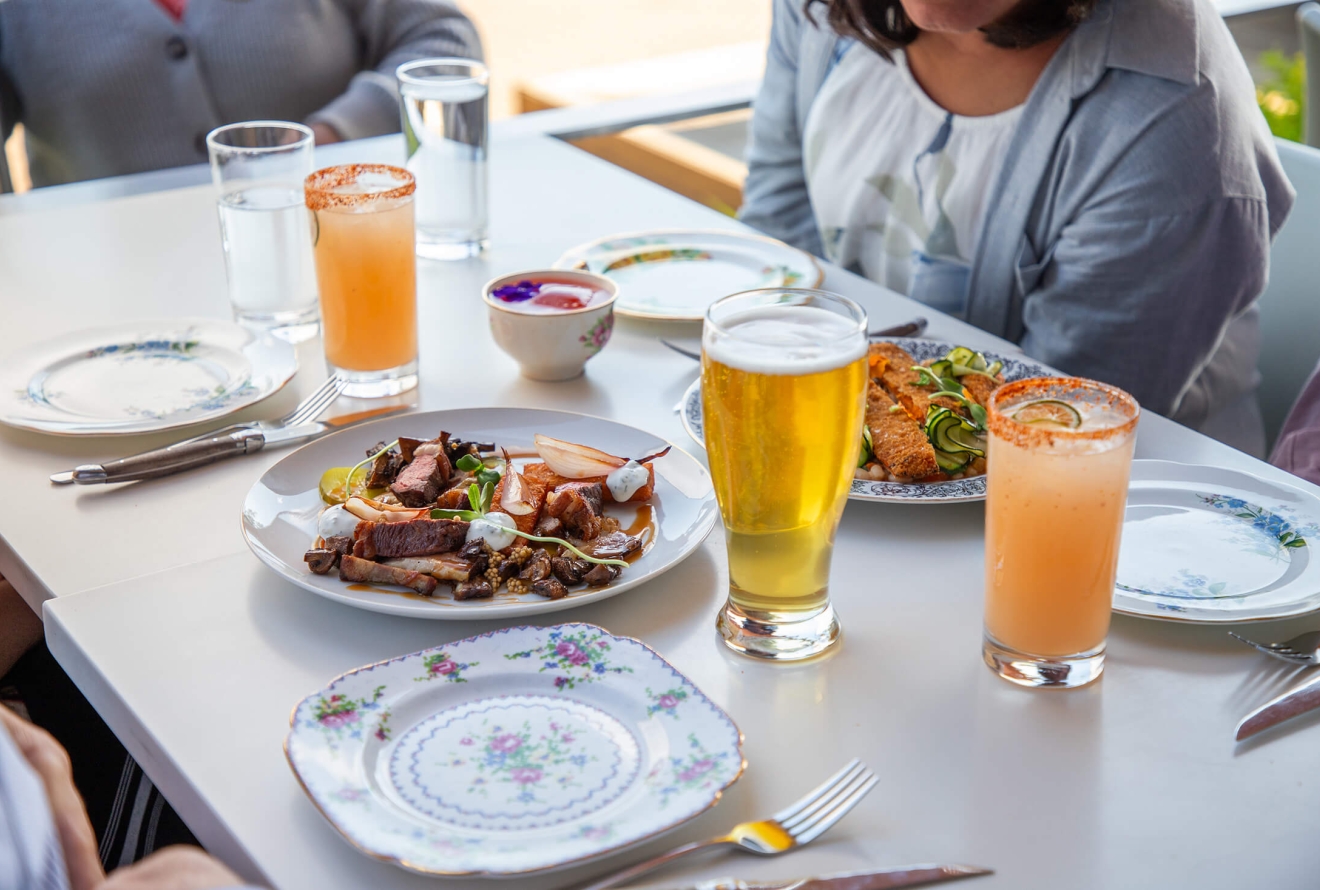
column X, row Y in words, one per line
column 1060, row 453
column 446, row 130
column 362, row 230
column 258, row 168
column 783, row 388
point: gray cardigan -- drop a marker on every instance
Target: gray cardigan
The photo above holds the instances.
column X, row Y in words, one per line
column 1130, row 226
column 108, row 87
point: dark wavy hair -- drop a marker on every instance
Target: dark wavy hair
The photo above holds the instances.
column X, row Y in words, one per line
column 883, row 25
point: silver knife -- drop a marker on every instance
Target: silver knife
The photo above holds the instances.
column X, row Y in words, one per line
column 1291, row 704
column 903, row 876
column 208, row 449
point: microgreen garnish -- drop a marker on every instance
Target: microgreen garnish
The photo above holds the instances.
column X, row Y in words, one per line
column 952, row 389
column 480, row 499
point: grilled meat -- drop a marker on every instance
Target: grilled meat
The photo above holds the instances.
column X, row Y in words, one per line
column 600, row 575
column 613, row 545
column 550, row 479
column 415, row 537
column 340, row 544
column 550, row 589
column 421, row 481
column 549, row 526
column 578, row 505
column 569, row 571
column 321, row 561
column 445, row 567
column 478, row 589
column 353, row 569
column 385, row 468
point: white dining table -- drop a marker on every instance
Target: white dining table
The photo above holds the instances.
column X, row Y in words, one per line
column 194, row 653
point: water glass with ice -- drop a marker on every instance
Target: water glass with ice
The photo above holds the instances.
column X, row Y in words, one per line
column 258, row 168
column 446, row 130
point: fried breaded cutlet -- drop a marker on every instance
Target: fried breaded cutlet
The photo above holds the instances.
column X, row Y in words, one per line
column 898, row 442
column 901, row 382
column 978, row 387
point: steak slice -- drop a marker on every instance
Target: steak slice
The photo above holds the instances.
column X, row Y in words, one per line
column 416, row 537
column 578, row 506
column 419, row 483
column 353, row 569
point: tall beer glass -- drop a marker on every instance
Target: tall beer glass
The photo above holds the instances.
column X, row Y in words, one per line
column 1060, row 453
column 783, row 385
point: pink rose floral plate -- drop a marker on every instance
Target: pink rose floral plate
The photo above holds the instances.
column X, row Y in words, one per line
column 520, row 750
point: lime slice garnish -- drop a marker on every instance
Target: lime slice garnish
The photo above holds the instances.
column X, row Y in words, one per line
column 1049, row 411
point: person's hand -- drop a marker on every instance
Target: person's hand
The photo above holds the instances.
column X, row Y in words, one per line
column 325, row 134
column 51, row 764
column 173, row 868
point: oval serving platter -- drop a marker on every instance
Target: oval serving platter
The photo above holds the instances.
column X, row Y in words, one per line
column 953, row 491
column 517, row 751
column 281, row 509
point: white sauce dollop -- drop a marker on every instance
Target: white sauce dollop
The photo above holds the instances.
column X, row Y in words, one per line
column 493, row 528
column 627, row 480
column 336, row 521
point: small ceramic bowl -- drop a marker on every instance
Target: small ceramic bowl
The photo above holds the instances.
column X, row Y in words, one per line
column 551, row 345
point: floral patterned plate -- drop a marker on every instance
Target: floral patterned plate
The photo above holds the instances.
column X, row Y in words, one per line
column 520, row 750
column 953, row 491
column 140, row 377
column 1208, row 545
column 675, row 275
column 280, row 513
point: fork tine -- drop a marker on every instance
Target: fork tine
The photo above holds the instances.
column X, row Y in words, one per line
column 294, row 414
column 1259, row 647
column 815, row 794
column 826, row 820
column 312, row 406
column 826, row 802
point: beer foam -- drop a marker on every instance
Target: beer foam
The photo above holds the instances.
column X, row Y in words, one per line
column 789, row 340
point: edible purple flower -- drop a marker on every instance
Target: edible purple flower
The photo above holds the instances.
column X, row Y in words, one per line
column 517, row 293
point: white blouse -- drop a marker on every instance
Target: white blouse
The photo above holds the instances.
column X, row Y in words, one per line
column 899, row 185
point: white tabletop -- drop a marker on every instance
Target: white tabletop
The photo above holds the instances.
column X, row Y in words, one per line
column 195, row 654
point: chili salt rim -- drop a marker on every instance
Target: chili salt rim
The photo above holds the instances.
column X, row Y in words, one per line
column 1036, row 435
column 319, row 187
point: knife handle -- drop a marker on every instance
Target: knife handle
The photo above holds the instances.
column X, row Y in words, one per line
column 172, row 459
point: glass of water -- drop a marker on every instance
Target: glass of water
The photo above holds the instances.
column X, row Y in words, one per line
column 446, row 130
column 258, row 168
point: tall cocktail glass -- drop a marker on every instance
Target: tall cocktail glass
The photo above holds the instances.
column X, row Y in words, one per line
column 258, row 168
column 362, row 235
column 783, row 385
column 446, row 130
column 1060, row 453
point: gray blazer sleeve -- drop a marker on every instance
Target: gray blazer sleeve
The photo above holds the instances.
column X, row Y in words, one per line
column 1142, row 299
column 775, row 194
column 393, row 32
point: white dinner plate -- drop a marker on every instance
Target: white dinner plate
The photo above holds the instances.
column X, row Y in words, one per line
column 1208, row 545
column 280, row 513
column 520, row 750
column 675, row 275
column 140, row 377
column 953, row 491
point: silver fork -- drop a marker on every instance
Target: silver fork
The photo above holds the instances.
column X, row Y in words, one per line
column 1301, row 649
column 308, row 409
column 795, row 825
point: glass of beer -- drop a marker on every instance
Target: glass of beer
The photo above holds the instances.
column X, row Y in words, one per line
column 783, row 384
column 366, row 270
column 1059, row 456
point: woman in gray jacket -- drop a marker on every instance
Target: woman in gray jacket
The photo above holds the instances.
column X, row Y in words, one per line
column 109, row 87
column 1088, row 178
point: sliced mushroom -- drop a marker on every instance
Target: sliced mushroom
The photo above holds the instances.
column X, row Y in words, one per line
column 473, row 590
column 537, row 568
column 600, row 575
column 550, row 589
column 321, row 561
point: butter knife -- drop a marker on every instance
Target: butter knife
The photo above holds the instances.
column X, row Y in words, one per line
column 208, row 449
column 1291, row 704
column 903, row 876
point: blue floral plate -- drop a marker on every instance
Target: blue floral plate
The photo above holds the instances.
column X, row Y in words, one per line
column 1208, row 545
column 140, row 377
column 520, row 750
